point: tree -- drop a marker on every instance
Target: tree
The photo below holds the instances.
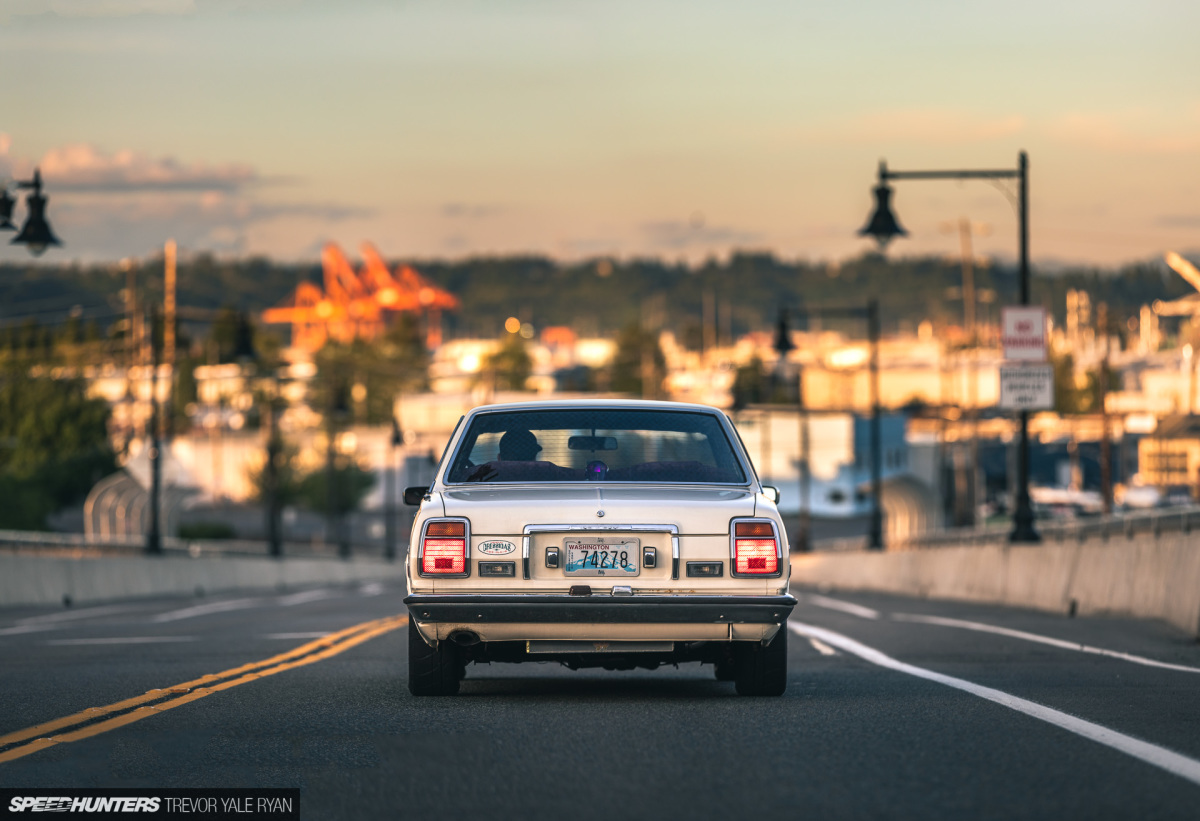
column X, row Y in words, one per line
column 749, row 384
column 350, row 484
column 509, row 366
column 384, row 368
column 54, row 446
column 288, row 479
column 638, row 365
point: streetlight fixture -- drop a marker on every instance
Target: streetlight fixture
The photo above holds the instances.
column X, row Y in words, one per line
column 884, row 227
column 36, row 233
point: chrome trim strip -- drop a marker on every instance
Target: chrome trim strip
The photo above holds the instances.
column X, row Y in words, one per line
column 675, row 556
column 421, row 548
column 733, row 549
column 673, row 529
column 525, row 554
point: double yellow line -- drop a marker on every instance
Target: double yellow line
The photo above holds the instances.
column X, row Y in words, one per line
column 96, row 720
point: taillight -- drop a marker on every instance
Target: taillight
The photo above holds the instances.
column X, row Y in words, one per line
column 755, row 551
column 444, row 549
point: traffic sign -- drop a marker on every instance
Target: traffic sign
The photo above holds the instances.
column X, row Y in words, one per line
column 1027, row 387
column 1023, row 332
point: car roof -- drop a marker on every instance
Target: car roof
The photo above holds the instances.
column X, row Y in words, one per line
column 638, row 404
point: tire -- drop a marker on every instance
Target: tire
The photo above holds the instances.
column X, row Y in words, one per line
column 432, row 671
column 761, row 669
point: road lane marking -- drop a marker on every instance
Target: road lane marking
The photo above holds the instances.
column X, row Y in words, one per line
column 821, row 647
column 304, row 598
column 1020, row 634
column 843, row 606
column 151, row 695
column 28, row 628
column 85, row 613
column 123, row 640
column 1161, row 757
column 370, row 589
column 206, row 609
column 314, row 635
column 188, row 691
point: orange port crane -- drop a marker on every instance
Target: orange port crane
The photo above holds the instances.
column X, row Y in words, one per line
column 358, row 305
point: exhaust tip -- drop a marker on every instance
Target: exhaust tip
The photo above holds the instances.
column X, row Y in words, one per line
column 464, row 638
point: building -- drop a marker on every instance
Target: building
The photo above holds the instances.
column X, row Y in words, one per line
column 1171, row 456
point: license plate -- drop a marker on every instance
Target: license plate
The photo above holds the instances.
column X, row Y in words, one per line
column 600, row 556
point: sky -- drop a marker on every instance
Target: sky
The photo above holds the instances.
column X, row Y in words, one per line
column 678, row 129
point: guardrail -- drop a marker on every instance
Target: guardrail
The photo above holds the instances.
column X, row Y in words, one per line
column 1156, row 522
column 79, row 545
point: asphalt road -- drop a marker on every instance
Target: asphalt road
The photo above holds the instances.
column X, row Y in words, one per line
column 887, row 715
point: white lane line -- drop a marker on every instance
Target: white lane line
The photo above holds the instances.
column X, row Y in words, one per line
column 206, row 609
column 843, row 606
column 27, row 628
column 85, row 613
column 1161, row 757
column 125, row 640
column 371, row 589
column 821, row 647
column 1020, row 634
column 317, row 635
column 305, row 597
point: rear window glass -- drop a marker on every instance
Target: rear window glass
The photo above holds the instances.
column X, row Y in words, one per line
column 603, row 445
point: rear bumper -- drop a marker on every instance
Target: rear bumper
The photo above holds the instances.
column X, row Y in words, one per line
column 427, row 608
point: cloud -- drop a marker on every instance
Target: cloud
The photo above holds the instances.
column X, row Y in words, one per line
column 1179, row 221
column 677, row 235
column 83, row 167
column 925, row 125
column 92, row 229
column 96, row 8
column 1124, row 134
column 460, row 210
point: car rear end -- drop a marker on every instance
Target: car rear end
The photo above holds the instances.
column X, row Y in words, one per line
column 658, row 560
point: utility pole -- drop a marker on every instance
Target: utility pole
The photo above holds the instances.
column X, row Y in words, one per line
column 169, row 333
column 968, row 295
column 1106, row 489
column 271, row 473
column 154, row 533
column 389, row 493
column 876, row 536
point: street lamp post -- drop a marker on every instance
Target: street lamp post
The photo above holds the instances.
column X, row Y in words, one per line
column 883, row 226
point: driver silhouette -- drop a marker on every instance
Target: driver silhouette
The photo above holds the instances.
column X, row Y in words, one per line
column 519, row 446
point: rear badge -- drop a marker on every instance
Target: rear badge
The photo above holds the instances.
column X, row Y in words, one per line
column 496, row 547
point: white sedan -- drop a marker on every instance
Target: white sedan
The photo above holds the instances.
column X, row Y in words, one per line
column 600, row 533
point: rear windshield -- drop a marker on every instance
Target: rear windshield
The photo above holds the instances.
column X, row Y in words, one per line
column 586, row 445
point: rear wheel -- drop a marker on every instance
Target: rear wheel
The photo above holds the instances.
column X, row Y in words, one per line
column 432, row 671
column 761, row 669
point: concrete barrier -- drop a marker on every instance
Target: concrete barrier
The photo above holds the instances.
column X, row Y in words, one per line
column 1144, row 577
column 30, row 579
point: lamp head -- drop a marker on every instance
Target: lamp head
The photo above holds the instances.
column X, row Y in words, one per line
column 783, row 336
column 883, row 225
column 6, row 209
column 35, row 233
